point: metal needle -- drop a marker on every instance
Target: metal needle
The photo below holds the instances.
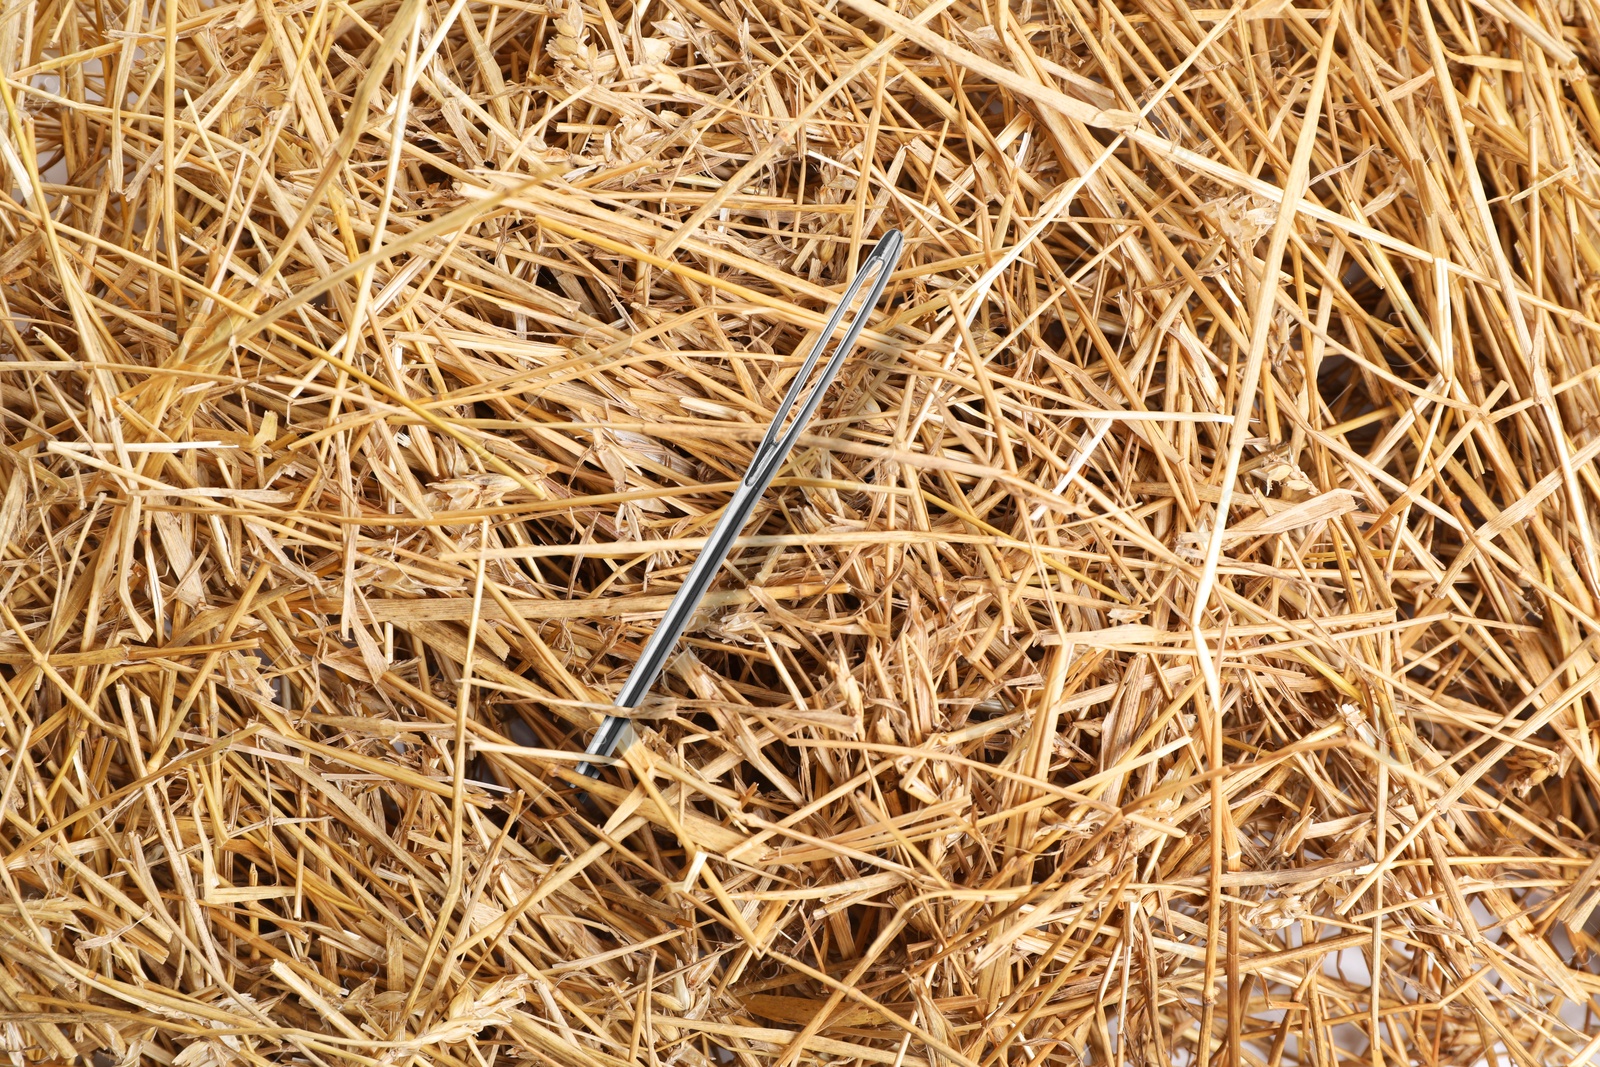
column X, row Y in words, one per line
column 875, row 268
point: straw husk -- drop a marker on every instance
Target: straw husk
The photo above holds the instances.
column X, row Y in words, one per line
column 1173, row 641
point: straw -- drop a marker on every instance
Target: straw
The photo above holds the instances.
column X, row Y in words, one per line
column 1171, row 641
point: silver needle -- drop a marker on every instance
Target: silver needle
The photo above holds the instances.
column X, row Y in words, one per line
column 876, row 267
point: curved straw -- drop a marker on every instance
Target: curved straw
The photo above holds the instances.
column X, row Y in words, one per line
column 769, row 456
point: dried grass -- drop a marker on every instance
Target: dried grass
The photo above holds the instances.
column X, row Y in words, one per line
column 1174, row 642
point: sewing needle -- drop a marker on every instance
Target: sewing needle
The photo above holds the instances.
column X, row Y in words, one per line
column 769, row 456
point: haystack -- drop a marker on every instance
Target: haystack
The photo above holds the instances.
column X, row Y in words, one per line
column 1174, row 641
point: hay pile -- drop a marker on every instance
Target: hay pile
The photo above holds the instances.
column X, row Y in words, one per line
column 1173, row 642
